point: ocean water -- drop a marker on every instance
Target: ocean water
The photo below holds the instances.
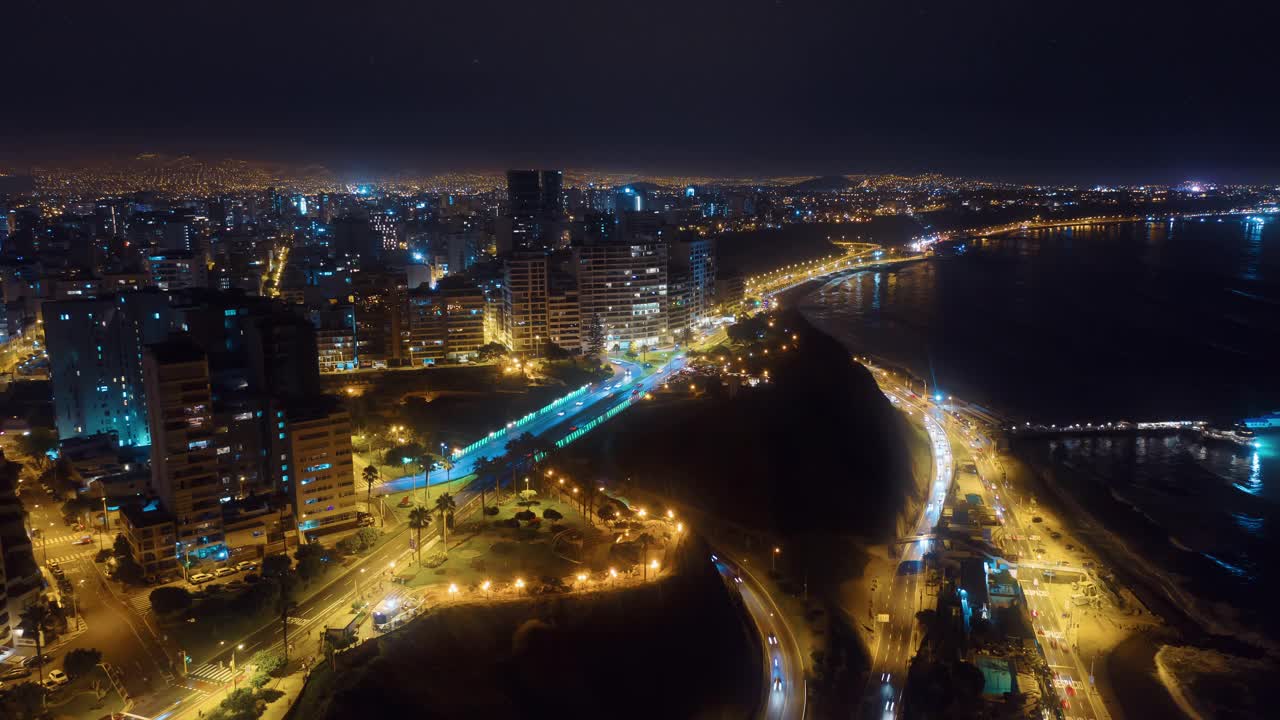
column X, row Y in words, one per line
column 1140, row 321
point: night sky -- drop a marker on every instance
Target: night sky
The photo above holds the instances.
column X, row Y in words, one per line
column 1011, row 89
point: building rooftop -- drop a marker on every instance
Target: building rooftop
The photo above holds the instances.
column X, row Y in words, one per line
column 146, row 514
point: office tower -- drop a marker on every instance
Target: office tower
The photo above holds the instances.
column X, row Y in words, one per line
column 625, row 286
column 311, row 458
column 524, row 291
column 95, row 362
column 335, row 334
column 446, row 323
column 183, row 461
column 535, row 209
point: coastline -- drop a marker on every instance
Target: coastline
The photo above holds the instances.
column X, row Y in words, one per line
column 1132, row 692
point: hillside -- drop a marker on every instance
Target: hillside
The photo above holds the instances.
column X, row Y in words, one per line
column 676, row 648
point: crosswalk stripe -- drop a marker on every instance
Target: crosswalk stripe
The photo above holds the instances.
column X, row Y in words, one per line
column 141, row 604
column 73, row 556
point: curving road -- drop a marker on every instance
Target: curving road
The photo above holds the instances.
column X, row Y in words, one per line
column 601, row 397
column 784, row 683
column 897, row 639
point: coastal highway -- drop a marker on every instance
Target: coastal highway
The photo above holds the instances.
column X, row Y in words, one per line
column 784, row 683
column 897, row 639
column 962, row 427
column 601, row 397
column 1052, row 629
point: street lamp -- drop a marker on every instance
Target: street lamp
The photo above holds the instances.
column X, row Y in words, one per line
column 773, row 559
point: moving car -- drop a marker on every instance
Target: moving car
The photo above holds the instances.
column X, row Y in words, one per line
column 245, row 565
column 83, row 540
column 57, row 676
column 200, row 578
column 224, row 571
column 777, row 684
column 773, row 639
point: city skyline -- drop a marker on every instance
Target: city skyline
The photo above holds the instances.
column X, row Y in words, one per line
column 1007, row 91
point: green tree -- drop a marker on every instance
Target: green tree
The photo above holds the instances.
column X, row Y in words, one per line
column 81, row 661
column 310, row 559
column 24, row 701
column 170, row 599
column 492, row 351
column 419, row 520
column 35, row 616
column 265, row 665
column 596, row 337
column 276, row 566
column 445, row 505
column 370, row 476
column 127, row 568
column 368, row 536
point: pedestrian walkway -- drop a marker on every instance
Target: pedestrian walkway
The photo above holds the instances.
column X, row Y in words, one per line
column 62, row 538
column 70, row 556
column 212, row 673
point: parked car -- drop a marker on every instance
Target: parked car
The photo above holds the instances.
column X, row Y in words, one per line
column 36, row 660
column 224, row 571
column 15, row 674
column 200, row 578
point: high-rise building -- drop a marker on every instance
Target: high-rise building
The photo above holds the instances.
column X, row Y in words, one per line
column 624, row 285
column 6, row 630
column 535, row 209
column 335, row 337
column 183, row 446
column 311, row 458
column 95, row 362
column 380, row 317
column 694, row 260
column 525, row 290
column 177, row 270
column 446, row 323
column 564, row 322
column 22, row 581
column 282, row 355
column 388, row 229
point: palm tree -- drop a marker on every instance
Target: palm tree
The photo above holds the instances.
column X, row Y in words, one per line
column 370, row 476
column 589, row 494
column 419, row 519
column 35, row 616
column 484, row 466
column 445, row 506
